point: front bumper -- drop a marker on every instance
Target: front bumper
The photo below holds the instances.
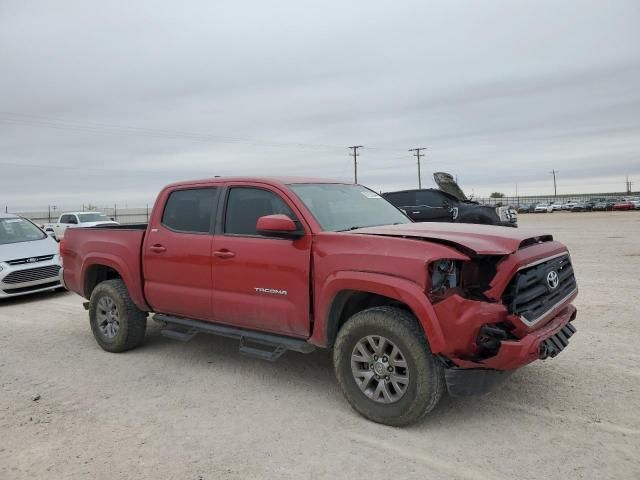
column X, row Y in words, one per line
column 517, row 353
column 29, row 278
column 61, row 279
column 471, row 378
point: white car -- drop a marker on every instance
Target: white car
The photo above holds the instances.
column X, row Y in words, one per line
column 543, row 208
column 29, row 259
column 556, row 207
column 79, row 219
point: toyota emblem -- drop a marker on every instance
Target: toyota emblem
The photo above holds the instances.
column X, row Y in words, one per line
column 553, row 280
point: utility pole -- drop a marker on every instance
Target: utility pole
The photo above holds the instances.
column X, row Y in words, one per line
column 628, row 183
column 555, row 188
column 418, row 155
column 355, row 155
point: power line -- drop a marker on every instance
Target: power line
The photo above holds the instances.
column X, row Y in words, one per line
column 418, row 155
column 103, row 128
column 355, row 161
column 119, row 129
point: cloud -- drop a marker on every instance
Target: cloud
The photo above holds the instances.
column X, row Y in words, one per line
column 106, row 103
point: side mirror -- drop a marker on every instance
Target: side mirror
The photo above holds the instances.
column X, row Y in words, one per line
column 278, row 226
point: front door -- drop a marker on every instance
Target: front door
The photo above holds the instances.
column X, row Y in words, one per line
column 177, row 254
column 260, row 283
column 430, row 206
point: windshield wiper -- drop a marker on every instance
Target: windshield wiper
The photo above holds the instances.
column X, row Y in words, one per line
column 349, row 229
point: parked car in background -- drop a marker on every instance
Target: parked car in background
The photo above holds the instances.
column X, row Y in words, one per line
column 636, row 204
column 568, row 206
column 624, row 206
column 543, row 208
column 449, row 204
column 604, row 205
column 48, row 229
column 29, row 259
column 582, row 207
column 557, row 206
column 79, row 219
column 409, row 310
column 527, row 208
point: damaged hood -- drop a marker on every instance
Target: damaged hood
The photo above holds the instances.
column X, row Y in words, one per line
column 481, row 239
column 447, row 184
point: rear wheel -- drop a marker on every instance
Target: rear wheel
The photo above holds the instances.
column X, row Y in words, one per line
column 384, row 365
column 117, row 324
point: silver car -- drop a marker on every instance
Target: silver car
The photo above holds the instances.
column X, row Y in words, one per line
column 29, row 258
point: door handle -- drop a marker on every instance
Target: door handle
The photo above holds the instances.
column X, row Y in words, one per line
column 158, row 248
column 224, row 253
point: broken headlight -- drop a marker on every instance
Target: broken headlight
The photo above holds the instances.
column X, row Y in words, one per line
column 445, row 278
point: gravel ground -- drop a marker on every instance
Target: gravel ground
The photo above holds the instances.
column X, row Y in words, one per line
column 202, row 411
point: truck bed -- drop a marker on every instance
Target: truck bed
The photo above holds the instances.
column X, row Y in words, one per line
column 116, row 246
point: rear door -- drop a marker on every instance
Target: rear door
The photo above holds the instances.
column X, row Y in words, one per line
column 260, row 283
column 177, row 253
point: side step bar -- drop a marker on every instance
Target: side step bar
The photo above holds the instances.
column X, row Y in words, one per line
column 265, row 346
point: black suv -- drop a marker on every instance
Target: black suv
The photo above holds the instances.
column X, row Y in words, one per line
column 449, row 204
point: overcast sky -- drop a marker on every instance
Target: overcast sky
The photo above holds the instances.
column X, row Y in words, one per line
column 106, row 102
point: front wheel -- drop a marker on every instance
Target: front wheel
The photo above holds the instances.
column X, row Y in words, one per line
column 117, row 324
column 384, row 365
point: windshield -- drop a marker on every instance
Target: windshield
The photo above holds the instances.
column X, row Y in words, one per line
column 93, row 217
column 340, row 207
column 14, row 230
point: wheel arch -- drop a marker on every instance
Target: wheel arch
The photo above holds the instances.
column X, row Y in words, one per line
column 348, row 293
column 96, row 274
column 98, row 269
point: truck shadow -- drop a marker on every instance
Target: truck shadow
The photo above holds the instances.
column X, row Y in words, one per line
column 314, row 374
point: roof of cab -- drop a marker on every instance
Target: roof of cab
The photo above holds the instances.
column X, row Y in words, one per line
column 276, row 181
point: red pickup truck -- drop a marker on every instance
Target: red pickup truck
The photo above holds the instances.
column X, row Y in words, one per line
column 409, row 309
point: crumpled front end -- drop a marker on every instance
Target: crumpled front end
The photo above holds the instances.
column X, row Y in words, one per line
column 523, row 314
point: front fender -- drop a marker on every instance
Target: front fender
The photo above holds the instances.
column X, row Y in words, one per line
column 397, row 288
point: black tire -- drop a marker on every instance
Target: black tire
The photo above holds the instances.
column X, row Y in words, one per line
column 132, row 322
column 426, row 378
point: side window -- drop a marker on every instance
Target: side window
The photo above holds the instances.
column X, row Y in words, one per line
column 429, row 198
column 65, row 218
column 246, row 205
column 190, row 210
column 401, row 199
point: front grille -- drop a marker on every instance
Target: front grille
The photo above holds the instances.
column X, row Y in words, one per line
column 23, row 261
column 32, row 274
column 530, row 294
